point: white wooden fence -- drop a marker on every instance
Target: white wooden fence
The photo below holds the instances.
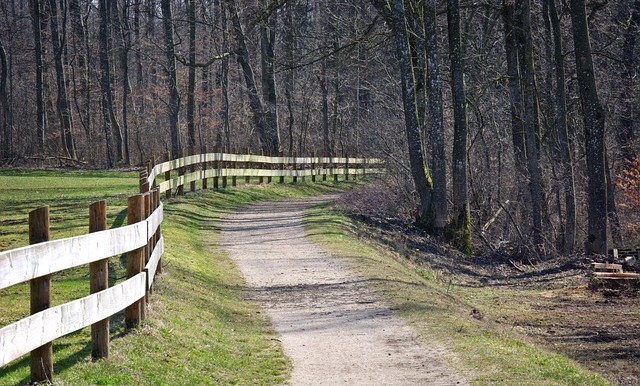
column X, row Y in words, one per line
column 141, row 239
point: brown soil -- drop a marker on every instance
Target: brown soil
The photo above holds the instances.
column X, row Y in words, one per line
column 550, row 303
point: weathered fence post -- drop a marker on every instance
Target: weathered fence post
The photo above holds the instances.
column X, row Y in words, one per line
column 134, row 260
column 364, row 167
column 225, row 166
column 313, row 167
column 147, row 252
column 335, row 168
column 216, row 166
column 143, row 180
column 42, row 357
column 193, row 183
column 346, row 167
column 248, row 165
column 295, row 168
column 99, row 281
column 281, row 180
column 205, row 165
column 180, row 174
column 167, row 176
column 156, row 240
column 324, row 169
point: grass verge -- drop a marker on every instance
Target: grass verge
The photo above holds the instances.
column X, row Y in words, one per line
column 482, row 350
column 199, row 328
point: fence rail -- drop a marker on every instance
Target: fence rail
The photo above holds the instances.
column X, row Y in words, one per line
column 35, row 263
column 141, row 240
column 216, row 165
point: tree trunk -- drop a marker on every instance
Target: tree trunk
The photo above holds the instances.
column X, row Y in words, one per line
column 125, row 35
column 326, row 141
column 267, row 44
column 6, row 129
column 62, row 104
column 395, row 17
column 172, row 81
column 625, row 132
column 105, row 81
column 461, row 222
column 594, row 124
column 531, row 124
column 515, row 91
column 40, row 109
column 436, row 129
column 191, row 86
column 564, row 145
column 243, row 59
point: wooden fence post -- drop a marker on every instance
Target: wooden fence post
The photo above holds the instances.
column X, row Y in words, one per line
column 167, row 176
column 147, row 253
column 346, row 167
column 181, row 173
column 225, row 166
column 156, row 205
column 134, row 260
column 205, row 165
column 334, row 165
column 281, row 179
column 193, row 183
column 295, row 169
column 364, row 167
column 99, row 281
column 247, row 165
column 42, row 357
column 313, row 167
column 216, row 166
column 324, row 170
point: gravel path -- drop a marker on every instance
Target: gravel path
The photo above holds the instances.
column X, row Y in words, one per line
column 331, row 326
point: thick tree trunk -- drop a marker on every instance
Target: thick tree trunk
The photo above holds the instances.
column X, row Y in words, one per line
column 594, row 126
column 37, row 36
column 269, row 97
column 461, row 222
column 531, row 122
column 191, row 86
column 625, row 131
column 515, row 91
column 243, row 58
column 436, row 129
column 62, row 104
column 394, row 13
column 172, row 81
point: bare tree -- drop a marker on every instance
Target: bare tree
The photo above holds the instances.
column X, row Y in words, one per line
column 594, row 124
column 5, row 124
column 62, row 105
column 461, row 221
column 172, row 79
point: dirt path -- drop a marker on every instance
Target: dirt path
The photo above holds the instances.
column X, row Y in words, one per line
column 334, row 330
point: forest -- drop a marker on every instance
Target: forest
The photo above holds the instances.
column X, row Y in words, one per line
column 504, row 125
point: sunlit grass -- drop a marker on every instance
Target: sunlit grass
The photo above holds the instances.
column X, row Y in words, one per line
column 199, row 330
column 485, row 352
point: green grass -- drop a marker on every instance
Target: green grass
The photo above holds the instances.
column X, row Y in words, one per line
column 199, row 330
column 483, row 351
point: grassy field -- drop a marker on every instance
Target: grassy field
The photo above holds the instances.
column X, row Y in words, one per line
column 199, row 329
column 486, row 353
